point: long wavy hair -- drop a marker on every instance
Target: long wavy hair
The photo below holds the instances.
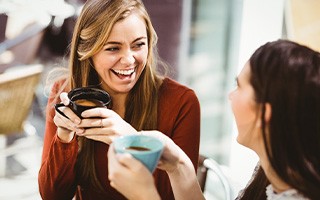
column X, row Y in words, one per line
column 287, row 75
column 91, row 32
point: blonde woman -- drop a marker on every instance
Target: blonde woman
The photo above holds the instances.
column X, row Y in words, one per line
column 113, row 48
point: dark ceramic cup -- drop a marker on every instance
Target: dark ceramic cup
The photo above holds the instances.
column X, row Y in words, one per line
column 85, row 98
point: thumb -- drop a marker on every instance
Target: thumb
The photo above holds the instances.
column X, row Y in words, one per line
column 128, row 161
column 64, row 98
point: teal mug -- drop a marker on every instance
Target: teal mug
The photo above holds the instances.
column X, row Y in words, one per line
column 144, row 148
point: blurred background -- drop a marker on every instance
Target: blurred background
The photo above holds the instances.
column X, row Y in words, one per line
column 206, row 43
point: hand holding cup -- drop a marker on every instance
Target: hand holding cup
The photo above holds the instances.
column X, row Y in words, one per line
column 144, row 148
column 85, row 98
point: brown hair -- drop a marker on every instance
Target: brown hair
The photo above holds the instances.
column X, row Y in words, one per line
column 287, row 76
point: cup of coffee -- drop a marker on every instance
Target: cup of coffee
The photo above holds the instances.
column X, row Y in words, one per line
column 144, row 148
column 85, row 98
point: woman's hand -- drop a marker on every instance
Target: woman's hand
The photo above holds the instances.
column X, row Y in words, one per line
column 102, row 124
column 130, row 177
column 172, row 154
column 66, row 127
column 179, row 168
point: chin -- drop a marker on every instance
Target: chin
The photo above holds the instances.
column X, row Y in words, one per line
column 241, row 141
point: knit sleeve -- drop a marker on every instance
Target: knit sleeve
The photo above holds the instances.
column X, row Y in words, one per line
column 56, row 177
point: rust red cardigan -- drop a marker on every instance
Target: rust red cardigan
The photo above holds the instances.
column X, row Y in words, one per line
column 178, row 118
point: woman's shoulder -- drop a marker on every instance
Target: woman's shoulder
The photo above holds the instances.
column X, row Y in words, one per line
column 171, row 91
column 170, row 86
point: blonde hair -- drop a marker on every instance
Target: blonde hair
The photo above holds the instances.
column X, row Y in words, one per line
column 91, row 32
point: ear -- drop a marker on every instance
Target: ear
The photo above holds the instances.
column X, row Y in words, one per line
column 267, row 115
column 268, row 112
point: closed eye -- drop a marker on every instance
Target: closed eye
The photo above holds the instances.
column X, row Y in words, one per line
column 112, row 49
column 139, row 45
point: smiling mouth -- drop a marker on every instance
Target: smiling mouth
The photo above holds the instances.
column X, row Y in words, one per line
column 122, row 72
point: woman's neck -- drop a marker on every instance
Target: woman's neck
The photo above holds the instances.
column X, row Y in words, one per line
column 277, row 183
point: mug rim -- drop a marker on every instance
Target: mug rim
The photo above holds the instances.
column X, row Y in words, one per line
column 121, row 150
column 72, row 93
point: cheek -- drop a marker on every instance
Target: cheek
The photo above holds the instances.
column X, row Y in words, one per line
column 245, row 116
column 143, row 55
column 243, row 112
column 141, row 58
column 102, row 62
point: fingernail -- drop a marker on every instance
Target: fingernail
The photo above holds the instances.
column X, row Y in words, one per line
column 84, row 114
column 65, row 102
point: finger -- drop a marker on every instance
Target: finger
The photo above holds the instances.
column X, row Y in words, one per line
column 108, row 132
column 64, row 98
column 101, row 138
column 70, row 114
column 65, row 123
column 157, row 134
column 114, row 166
column 94, row 132
column 111, row 152
column 98, row 112
column 130, row 162
column 112, row 161
column 96, row 122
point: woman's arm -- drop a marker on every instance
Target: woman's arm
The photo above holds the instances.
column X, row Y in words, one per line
column 179, row 168
column 56, row 177
column 184, row 181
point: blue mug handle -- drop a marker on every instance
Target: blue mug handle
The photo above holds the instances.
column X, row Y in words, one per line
column 56, row 107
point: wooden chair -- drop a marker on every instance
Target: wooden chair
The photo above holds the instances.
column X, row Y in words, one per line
column 17, row 91
column 208, row 166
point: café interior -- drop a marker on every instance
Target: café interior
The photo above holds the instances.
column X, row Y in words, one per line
column 206, row 42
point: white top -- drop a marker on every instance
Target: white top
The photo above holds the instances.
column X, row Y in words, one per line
column 291, row 194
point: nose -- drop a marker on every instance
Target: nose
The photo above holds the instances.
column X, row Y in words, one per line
column 127, row 58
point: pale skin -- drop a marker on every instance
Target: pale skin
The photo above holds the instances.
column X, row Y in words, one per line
column 119, row 65
column 247, row 116
column 125, row 172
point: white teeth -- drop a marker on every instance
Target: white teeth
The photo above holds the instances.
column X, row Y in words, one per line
column 123, row 72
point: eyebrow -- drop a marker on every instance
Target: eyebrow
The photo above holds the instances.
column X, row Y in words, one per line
column 139, row 38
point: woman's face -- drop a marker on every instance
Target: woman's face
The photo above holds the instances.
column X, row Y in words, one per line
column 245, row 109
column 124, row 55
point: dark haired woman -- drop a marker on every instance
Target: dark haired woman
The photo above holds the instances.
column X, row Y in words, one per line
column 277, row 111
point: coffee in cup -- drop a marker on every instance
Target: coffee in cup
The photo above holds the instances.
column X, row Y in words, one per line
column 146, row 149
column 136, row 148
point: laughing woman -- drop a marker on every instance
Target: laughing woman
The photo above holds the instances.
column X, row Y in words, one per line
column 113, row 49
